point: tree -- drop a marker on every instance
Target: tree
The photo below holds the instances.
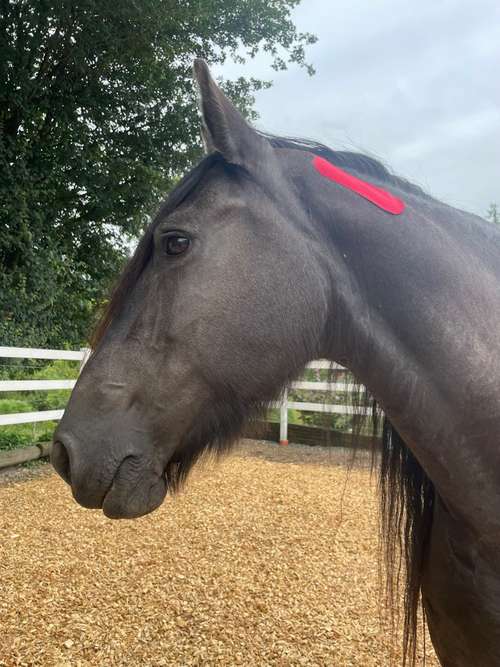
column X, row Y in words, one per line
column 493, row 214
column 97, row 117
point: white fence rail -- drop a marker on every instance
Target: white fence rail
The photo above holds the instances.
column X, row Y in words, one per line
column 36, row 353
column 82, row 355
column 37, row 385
column 339, row 409
column 31, row 417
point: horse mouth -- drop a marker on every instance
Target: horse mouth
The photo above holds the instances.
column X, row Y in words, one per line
column 136, row 490
column 123, row 488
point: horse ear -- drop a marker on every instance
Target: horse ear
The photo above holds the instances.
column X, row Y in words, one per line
column 224, row 128
column 206, row 139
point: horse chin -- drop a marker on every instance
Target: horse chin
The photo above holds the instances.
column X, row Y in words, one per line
column 134, row 493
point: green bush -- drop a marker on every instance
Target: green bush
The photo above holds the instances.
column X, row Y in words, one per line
column 11, row 439
column 20, row 435
column 9, row 406
column 294, row 416
column 50, row 400
column 61, row 369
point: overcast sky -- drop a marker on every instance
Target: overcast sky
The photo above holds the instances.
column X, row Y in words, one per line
column 414, row 84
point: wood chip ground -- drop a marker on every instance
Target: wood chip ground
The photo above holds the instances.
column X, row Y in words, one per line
column 268, row 557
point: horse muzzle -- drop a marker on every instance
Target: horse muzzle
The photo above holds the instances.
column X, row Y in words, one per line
column 124, row 487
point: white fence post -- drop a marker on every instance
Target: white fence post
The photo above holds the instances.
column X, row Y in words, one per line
column 284, row 419
column 85, row 357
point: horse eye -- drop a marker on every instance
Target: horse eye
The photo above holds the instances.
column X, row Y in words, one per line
column 175, row 243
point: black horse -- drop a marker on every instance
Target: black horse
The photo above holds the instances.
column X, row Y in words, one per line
column 273, row 252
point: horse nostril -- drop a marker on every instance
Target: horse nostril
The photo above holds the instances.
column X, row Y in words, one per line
column 60, row 460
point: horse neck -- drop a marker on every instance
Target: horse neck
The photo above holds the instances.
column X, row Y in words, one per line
column 415, row 316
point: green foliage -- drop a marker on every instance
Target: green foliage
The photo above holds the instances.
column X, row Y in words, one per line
column 22, row 435
column 11, row 438
column 98, row 117
column 317, row 419
column 294, row 416
column 49, row 400
column 38, row 369
column 19, row 435
column 9, row 406
column 60, row 369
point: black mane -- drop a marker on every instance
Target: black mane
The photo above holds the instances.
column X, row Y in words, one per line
column 362, row 164
column 349, row 160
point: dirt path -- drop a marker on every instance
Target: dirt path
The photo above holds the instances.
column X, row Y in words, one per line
column 266, row 558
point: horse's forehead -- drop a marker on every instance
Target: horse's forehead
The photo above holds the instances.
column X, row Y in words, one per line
column 214, row 200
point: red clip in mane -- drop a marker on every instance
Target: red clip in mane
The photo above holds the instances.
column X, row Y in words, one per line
column 375, row 195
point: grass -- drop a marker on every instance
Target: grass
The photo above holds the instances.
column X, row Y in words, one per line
column 24, row 435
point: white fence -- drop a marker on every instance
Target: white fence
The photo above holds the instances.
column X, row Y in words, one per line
column 82, row 355
column 333, row 408
column 36, row 385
